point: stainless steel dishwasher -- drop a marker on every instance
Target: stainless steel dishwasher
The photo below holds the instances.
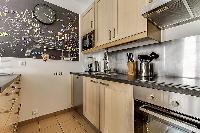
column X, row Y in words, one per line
column 77, row 93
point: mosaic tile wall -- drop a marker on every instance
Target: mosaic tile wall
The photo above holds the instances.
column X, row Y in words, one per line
column 22, row 36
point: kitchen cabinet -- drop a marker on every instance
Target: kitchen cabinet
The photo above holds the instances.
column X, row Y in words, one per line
column 118, row 19
column 10, row 107
column 109, row 105
column 130, row 20
column 119, row 22
column 91, row 100
column 118, row 108
column 103, row 21
column 87, row 21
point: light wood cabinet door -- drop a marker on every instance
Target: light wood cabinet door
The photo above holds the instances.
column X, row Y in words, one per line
column 87, row 21
column 103, row 21
column 141, row 22
column 91, row 100
column 130, row 20
column 118, row 108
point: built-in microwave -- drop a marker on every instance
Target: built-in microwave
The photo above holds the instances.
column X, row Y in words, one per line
column 88, row 40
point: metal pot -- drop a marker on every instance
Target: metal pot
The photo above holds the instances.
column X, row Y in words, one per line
column 146, row 69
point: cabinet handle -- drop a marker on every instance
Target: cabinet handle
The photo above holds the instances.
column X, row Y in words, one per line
column 91, row 24
column 93, row 81
column 5, row 112
column 17, row 113
column 150, row 1
column 17, row 83
column 110, row 34
column 7, row 94
column 104, row 84
column 17, row 93
column 14, row 87
column 114, row 33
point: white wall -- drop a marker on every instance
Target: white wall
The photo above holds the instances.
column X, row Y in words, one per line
column 42, row 90
column 77, row 6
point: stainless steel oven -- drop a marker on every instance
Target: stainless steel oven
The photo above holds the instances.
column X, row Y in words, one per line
column 154, row 113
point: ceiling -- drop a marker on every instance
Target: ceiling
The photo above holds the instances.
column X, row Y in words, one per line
column 77, row 6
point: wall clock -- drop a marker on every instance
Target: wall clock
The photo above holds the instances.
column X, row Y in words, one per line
column 44, row 14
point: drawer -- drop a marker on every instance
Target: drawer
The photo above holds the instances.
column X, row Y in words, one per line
column 182, row 103
column 14, row 114
column 7, row 91
column 148, row 95
column 6, row 102
column 4, row 118
column 10, row 129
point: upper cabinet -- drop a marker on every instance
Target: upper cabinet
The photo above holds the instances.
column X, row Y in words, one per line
column 87, row 20
column 119, row 22
column 129, row 20
column 103, row 21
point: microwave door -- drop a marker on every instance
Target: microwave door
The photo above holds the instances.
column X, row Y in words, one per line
column 158, row 123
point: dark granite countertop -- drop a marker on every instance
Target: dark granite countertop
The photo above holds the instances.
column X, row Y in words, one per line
column 7, row 80
column 185, row 86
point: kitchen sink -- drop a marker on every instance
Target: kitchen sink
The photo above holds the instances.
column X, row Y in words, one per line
column 105, row 74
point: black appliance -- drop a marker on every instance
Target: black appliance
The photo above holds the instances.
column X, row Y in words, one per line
column 88, row 41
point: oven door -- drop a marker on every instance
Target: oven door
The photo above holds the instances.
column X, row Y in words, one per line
column 160, row 121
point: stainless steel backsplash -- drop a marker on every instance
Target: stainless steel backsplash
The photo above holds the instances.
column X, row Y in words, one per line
column 177, row 58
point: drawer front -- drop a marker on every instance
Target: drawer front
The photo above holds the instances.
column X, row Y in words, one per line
column 148, row 95
column 182, row 103
column 6, row 103
column 14, row 115
column 10, row 129
column 10, row 107
column 7, row 91
column 3, row 118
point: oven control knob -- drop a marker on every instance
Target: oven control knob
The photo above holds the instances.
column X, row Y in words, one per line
column 152, row 97
column 175, row 103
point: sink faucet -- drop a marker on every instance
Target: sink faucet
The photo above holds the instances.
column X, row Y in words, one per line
column 106, row 63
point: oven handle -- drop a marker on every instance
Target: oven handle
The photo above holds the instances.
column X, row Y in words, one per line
column 170, row 120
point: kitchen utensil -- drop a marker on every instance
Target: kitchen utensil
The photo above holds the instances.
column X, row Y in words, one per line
column 130, row 56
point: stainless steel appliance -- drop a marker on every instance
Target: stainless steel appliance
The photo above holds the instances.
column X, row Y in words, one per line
column 169, row 13
column 146, row 67
column 77, row 93
column 158, row 111
column 96, row 66
column 106, row 63
column 88, row 41
column 92, row 65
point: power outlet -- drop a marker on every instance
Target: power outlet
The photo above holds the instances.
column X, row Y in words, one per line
column 35, row 112
column 22, row 63
column 58, row 73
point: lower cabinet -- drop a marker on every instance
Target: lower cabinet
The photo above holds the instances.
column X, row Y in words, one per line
column 111, row 103
column 91, row 100
column 118, row 108
column 10, row 107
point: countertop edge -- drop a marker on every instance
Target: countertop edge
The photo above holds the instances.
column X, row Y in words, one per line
column 144, row 84
column 2, row 88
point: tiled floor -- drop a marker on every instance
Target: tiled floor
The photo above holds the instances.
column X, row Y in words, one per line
column 70, row 122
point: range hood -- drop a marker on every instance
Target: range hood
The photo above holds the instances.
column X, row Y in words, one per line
column 169, row 13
